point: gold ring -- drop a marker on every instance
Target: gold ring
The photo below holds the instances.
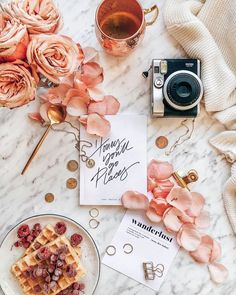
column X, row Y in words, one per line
column 94, row 212
column 112, row 251
column 129, row 250
column 93, row 223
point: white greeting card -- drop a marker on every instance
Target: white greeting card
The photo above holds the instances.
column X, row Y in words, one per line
column 120, row 161
column 151, row 244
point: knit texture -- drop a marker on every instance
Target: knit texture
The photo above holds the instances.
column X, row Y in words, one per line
column 207, row 30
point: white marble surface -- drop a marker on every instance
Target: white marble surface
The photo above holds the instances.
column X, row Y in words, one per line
column 23, row 196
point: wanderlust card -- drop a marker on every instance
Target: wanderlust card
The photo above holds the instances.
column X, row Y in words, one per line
column 120, row 161
column 151, row 244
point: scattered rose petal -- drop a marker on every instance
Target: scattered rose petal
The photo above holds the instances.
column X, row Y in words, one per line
column 91, row 74
column 198, row 202
column 36, row 117
column 160, row 170
column 180, row 198
column 96, row 94
column 190, row 238
column 43, row 110
column 218, row 272
column 151, row 184
column 171, row 219
column 203, row 220
column 216, row 251
column 162, row 188
column 97, row 125
column 135, row 201
column 159, row 205
column 153, row 216
column 109, row 106
column 90, row 54
column 76, row 107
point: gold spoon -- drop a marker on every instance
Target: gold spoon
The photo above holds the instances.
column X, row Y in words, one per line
column 56, row 115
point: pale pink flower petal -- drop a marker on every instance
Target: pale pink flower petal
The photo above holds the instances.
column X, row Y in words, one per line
column 109, row 106
column 171, row 219
column 96, row 94
column 198, row 203
column 218, row 272
column 190, row 238
column 162, row 188
column 76, row 107
column 159, row 170
column 180, row 198
column 203, row 220
column 135, row 201
column 76, row 94
column 151, row 184
column 159, row 205
column 43, row 110
column 91, row 74
column 153, row 216
column 203, row 253
column 178, row 236
column 216, row 251
column 36, row 117
column 83, row 120
column 97, row 125
column 90, row 54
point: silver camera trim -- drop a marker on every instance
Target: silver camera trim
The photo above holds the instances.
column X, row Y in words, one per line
column 177, row 107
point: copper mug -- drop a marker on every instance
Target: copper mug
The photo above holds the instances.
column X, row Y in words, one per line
column 121, row 24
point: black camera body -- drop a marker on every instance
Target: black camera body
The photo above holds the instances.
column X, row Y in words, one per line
column 176, row 87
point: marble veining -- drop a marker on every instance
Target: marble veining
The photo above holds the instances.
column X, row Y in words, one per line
column 23, row 196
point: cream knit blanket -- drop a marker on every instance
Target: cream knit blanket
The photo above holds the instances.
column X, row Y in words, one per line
column 207, row 30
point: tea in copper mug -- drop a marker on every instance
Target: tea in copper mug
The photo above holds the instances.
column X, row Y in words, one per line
column 121, row 24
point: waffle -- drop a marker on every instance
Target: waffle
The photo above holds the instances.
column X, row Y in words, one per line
column 46, row 236
column 64, row 282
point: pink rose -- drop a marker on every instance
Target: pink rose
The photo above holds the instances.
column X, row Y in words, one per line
column 13, row 38
column 54, row 56
column 40, row 16
column 17, row 86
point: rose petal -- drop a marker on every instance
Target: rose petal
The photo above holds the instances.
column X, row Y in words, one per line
column 43, row 110
column 96, row 94
column 198, row 202
column 135, row 201
column 216, row 251
column 109, row 106
column 171, row 219
column 190, row 238
column 97, row 125
column 90, row 54
column 76, row 107
column 91, row 74
column 76, row 93
column 162, row 188
column 203, row 220
column 159, row 170
column 159, row 205
column 180, row 198
column 36, row 117
column 218, row 272
column 153, row 216
column 151, row 184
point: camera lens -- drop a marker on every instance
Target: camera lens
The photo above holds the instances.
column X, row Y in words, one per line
column 183, row 90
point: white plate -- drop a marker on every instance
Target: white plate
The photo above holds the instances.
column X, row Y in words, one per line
column 9, row 255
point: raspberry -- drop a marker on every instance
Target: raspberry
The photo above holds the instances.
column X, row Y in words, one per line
column 71, row 271
column 48, row 279
column 52, row 285
column 23, row 231
column 60, row 263
column 44, row 253
column 75, row 292
column 81, row 287
column 17, row 244
column 37, row 289
column 55, row 278
column 53, row 258
column 30, row 238
column 25, row 244
column 51, row 268
column 75, row 286
column 75, row 240
column 62, row 256
column 60, row 228
column 58, row 272
column 37, row 227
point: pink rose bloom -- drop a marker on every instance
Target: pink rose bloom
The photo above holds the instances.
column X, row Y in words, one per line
column 13, row 38
column 17, row 86
column 54, row 56
column 40, row 16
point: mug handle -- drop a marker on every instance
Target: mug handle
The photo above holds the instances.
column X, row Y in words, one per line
column 149, row 10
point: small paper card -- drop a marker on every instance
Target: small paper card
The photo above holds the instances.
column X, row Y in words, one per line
column 120, row 161
column 151, row 245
